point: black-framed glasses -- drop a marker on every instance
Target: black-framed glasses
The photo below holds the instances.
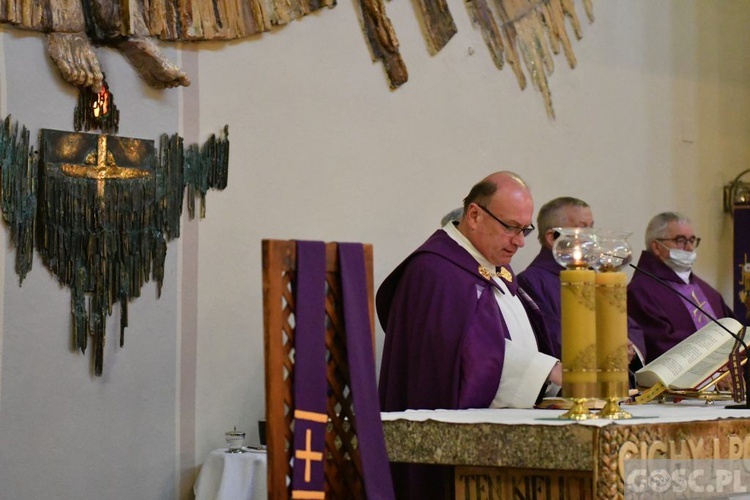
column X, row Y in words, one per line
column 525, row 230
column 681, row 241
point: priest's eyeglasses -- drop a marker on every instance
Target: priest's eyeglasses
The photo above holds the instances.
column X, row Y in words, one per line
column 681, row 241
column 516, row 230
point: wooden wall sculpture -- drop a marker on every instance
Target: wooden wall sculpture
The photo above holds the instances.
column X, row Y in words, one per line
column 100, row 210
column 529, row 31
column 523, row 33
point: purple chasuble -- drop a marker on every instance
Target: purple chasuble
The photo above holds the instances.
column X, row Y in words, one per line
column 661, row 314
column 541, row 280
column 444, row 333
column 695, row 293
column 444, row 344
column 369, row 427
column 310, row 384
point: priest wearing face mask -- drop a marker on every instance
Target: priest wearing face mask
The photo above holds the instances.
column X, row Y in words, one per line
column 666, row 318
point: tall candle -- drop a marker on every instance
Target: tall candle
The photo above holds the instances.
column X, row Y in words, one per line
column 612, row 334
column 578, row 329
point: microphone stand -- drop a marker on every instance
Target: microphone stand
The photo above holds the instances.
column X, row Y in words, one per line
column 746, row 371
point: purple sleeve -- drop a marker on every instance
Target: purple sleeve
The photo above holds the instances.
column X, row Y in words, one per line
column 662, row 317
column 536, row 285
column 540, row 288
column 635, row 335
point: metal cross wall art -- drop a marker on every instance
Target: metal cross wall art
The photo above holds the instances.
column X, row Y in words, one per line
column 100, row 210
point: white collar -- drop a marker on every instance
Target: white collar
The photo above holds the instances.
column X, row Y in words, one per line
column 684, row 275
column 464, row 243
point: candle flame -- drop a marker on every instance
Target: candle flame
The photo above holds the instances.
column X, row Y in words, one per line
column 577, row 256
column 101, row 105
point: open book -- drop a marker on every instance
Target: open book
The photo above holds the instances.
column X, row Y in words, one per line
column 693, row 363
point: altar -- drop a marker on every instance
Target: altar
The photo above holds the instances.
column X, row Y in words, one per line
column 512, row 453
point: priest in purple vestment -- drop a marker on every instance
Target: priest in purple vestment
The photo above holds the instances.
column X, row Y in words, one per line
column 541, row 279
column 459, row 333
column 667, row 318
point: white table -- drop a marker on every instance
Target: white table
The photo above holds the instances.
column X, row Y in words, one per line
column 233, row 476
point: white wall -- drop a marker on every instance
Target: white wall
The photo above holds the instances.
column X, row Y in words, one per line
column 653, row 118
column 63, row 432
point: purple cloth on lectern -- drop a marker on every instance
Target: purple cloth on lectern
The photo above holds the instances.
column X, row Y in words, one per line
column 541, row 280
column 310, row 384
column 662, row 314
column 369, row 427
column 742, row 263
column 444, row 344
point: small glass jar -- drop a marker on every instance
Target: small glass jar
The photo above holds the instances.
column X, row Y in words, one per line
column 235, row 439
column 614, row 250
column 576, row 247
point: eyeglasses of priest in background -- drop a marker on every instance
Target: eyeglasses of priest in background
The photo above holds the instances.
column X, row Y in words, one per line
column 681, row 241
column 526, row 230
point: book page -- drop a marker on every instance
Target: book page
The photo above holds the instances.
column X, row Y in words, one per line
column 704, row 368
column 693, row 360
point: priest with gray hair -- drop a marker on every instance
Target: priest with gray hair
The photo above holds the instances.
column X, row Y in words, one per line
column 667, row 318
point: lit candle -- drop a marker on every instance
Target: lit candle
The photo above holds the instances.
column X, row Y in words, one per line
column 612, row 334
column 578, row 329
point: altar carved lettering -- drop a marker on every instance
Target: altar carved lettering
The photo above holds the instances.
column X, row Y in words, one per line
column 481, row 483
column 684, row 449
column 673, row 449
column 696, row 449
column 739, row 448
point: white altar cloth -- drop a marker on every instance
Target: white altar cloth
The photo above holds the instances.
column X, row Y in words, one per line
column 684, row 411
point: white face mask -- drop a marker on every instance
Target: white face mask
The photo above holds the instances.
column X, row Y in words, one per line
column 680, row 260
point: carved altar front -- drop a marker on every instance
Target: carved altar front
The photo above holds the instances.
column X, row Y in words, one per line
column 509, row 453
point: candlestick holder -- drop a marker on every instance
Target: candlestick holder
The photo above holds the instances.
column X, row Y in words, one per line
column 579, row 393
column 577, row 249
column 613, row 411
column 613, row 387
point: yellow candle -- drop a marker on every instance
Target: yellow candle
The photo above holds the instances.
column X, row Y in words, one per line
column 612, row 334
column 578, row 330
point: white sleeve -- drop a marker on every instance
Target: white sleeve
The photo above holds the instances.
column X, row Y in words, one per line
column 525, row 372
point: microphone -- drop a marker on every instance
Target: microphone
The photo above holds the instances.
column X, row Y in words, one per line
column 746, row 372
